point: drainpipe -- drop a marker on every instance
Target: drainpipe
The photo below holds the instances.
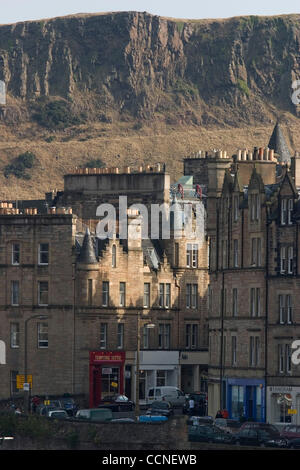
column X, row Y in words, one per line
column 267, row 308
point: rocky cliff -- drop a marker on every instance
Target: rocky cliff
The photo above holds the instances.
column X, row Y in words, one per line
column 119, row 68
column 207, row 71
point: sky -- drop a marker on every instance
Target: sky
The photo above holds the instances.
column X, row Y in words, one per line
column 12, row 11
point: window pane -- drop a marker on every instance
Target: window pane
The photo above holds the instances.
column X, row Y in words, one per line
column 14, row 335
column 15, row 292
column 105, row 293
column 103, row 334
column 146, row 294
column 43, row 293
column 43, row 253
column 43, row 335
column 15, row 253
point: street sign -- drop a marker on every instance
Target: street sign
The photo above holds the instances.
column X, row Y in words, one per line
column 21, row 381
column 292, row 411
column 114, row 384
column 26, row 387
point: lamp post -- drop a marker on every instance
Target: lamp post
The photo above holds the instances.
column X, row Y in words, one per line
column 26, row 391
column 149, row 325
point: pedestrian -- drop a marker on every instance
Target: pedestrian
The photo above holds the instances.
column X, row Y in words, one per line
column 219, row 414
column 191, row 405
column 225, row 414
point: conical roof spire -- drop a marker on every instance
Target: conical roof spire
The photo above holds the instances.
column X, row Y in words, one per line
column 87, row 252
column 279, row 145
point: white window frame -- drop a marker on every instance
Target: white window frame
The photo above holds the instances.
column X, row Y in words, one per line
column 283, row 211
column 14, row 335
column 290, row 263
column 146, row 299
column 42, row 335
column 105, row 293
column 15, row 293
column 39, row 293
column 122, row 288
column 282, row 259
column 15, row 252
column 290, row 210
column 41, row 252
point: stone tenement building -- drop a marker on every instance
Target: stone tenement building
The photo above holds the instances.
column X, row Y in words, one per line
column 253, row 227
column 71, row 303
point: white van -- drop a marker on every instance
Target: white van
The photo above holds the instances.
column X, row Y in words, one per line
column 171, row 394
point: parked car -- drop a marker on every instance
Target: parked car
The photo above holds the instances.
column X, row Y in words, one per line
column 171, row 394
column 259, row 436
column 291, row 431
column 209, row 433
column 95, row 415
column 255, row 424
column 199, row 420
column 152, row 418
column 163, row 408
column 293, row 443
column 200, row 399
column 117, row 403
column 43, row 410
column 58, row 414
column 231, row 425
column 68, row 404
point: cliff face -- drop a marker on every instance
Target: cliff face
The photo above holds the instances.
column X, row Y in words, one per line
column 233, row 71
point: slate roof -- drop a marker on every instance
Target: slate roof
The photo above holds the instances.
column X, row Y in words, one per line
column 278, row 144
column 87, row 253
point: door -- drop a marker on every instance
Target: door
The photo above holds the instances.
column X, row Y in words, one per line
column 250, row 402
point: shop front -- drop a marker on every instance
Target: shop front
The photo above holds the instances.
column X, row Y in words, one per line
column 283, row 405
column 157, row 369
column 246, row 399
column 106, row 375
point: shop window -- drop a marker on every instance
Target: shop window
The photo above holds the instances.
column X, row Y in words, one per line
column 161, row 378
column 237, row 401
column 281, row 404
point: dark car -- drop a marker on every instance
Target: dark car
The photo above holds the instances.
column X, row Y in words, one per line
column 199, row 420
column 263, row 436
column 291, row 431
column 209, row 433
column 117, row 403
column 68, row 404
column 293, row 443
column 231, row 425
column 163, row 408
column 200, row 401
